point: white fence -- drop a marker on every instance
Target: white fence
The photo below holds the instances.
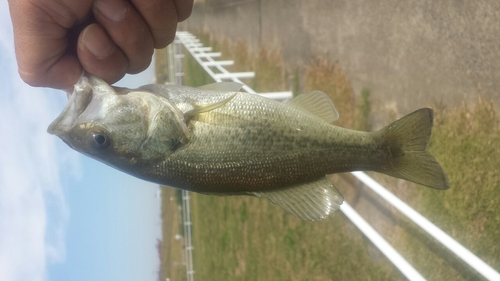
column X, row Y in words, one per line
column 216, row 70
column 175, row 67
column 188, row 245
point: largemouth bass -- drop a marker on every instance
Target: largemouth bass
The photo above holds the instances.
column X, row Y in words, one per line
column 217, row 140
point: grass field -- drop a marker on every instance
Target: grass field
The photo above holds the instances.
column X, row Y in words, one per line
column 243, row 238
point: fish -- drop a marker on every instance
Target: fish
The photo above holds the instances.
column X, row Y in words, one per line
column 218, row 140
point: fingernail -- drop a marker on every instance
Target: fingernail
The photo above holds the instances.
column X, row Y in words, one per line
column 114, row 10
column 96, row 41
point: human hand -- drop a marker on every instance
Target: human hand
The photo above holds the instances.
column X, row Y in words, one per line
column 55, row 39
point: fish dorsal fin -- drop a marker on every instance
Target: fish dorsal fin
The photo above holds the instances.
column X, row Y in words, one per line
column 317, row 103
column 310, row 201
column 206, row 107
column 223, row 87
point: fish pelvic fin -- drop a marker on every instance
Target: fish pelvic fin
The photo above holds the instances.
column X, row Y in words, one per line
column 310, row 201
column 407, row 138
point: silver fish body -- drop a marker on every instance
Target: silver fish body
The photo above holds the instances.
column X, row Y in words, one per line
column 229, row 142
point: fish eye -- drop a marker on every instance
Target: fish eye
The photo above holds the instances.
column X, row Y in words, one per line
column 100, row 139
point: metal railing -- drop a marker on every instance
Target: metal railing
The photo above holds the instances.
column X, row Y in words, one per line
column 188, row 245
column 217, row 71
column 463, row 253
column 175, row 77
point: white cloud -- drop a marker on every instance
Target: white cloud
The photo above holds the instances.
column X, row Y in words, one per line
column 33, row 210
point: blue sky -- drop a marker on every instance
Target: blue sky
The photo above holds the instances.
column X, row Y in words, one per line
column 64, row 216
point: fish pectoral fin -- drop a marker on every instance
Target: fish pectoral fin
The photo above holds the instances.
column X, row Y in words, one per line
column 310, row 201
column 317, row 103
column 223, row 87
column 206, row 107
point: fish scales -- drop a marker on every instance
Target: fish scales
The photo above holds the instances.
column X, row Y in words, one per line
column 217, row 140
column 254, row 144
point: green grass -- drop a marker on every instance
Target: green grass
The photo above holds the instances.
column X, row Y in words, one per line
column 267, row 244
column 329, row 78
column 269, row 73
column 191, row 66
column 364, row 109
column 466, row 141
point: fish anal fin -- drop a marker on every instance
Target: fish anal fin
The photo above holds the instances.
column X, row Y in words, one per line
column 207, row 107
column 223, row 87
column 310, row 201
column 317, row 103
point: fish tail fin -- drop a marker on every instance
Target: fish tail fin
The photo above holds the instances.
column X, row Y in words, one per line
column 407, row 139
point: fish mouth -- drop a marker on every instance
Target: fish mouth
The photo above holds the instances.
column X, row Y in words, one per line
column 78, row 101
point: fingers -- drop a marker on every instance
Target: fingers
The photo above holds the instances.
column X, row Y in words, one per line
column 161, row 17
column 134, row 29
column 128, row 30
column 43, row 53
column 121, row 39
column 100, row 56
column 183, row 8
